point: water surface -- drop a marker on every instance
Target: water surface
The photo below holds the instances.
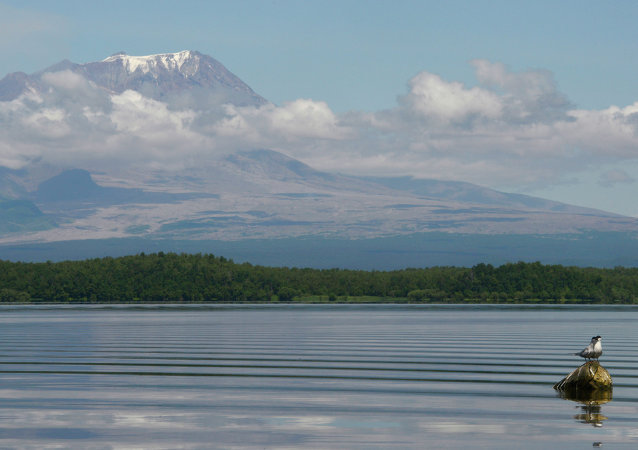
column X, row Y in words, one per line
column 304, row 376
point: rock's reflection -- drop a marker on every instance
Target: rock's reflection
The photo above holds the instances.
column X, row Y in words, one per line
column 590, row 404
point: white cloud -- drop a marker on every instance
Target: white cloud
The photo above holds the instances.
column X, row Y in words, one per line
column 74, row 123
column 147, row 118
column 449, row 102
column 68, row 82
column 611, row 133
column 10, row 156
column 512, row 129
column 293, row 121
column 48, row 123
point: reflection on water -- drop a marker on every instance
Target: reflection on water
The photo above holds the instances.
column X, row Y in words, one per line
column 598, row 396
column 329, row 376
column 590, row 404
column 591, row 414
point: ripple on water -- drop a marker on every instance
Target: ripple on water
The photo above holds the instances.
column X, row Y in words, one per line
column 351, row 376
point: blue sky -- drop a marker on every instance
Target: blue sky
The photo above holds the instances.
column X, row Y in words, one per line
column 363, row 56
column 351, row 54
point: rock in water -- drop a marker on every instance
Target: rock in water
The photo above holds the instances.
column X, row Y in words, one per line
column 591, row 376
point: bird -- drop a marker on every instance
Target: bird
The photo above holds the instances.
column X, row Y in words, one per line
column 593, row 350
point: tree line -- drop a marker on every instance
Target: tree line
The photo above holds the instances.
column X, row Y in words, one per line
column 170, row 277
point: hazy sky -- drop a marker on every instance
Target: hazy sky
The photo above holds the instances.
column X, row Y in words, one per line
column 533, row 97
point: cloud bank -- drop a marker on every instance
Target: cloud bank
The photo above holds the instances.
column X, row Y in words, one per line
column 510, row 129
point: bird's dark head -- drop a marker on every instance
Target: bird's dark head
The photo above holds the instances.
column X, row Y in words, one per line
column 596, row 338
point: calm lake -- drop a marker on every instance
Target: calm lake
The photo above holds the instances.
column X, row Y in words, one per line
column 311, row 376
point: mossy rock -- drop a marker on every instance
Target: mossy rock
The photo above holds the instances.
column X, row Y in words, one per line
column 589, row 377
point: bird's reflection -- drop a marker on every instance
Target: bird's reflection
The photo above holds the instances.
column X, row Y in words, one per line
column 590, row 403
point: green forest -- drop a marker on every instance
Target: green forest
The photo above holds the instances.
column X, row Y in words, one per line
column 173, row 278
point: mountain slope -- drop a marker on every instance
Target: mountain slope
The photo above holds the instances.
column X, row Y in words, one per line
column 471, row 193
column 267, row 195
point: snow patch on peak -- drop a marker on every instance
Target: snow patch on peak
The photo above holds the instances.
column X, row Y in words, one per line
column 150, row 63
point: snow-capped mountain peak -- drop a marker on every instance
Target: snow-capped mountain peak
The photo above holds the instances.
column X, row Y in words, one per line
column 187, row 78
column 151, row 63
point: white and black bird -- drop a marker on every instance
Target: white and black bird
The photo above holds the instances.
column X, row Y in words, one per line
column 593, row 350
